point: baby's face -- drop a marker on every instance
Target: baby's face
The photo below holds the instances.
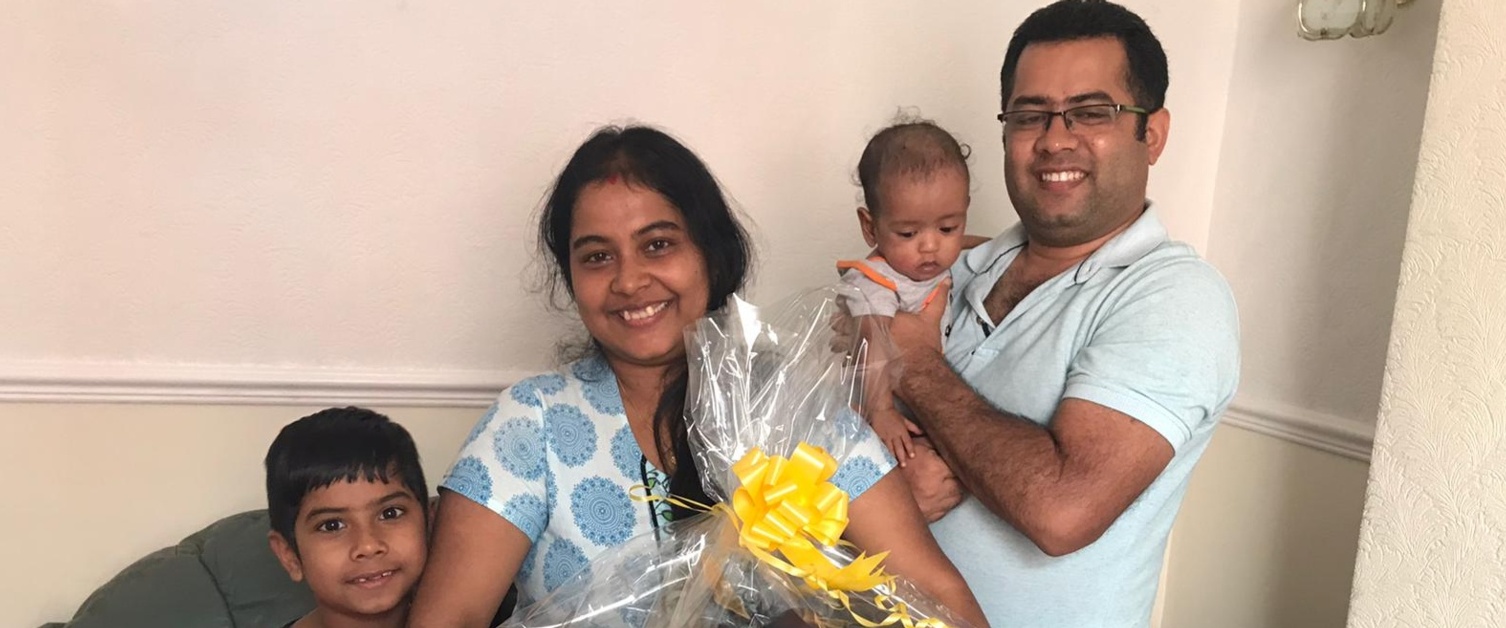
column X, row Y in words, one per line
column 920, row 225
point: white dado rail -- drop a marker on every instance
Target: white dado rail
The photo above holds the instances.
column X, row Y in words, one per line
column 83, row 382
column 1334, row 434
column 100, row 382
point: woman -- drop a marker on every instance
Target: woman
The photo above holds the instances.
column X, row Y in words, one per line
column 643, row 241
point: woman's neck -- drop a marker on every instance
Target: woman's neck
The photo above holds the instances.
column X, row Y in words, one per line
column 641, row 387
column 638, row 382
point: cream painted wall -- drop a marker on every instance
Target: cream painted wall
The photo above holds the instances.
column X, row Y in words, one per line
column 1312, row 199
column 285, row 186
column 1266, row 537
column 91, row 488
column 1314, row 183
column 1433, row 545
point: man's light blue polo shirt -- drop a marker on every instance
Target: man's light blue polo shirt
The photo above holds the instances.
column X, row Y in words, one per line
column 1143, row 326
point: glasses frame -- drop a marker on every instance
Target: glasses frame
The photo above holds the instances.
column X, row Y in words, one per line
column 1067, row 122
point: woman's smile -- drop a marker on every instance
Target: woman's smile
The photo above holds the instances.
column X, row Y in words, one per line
column 643, row 316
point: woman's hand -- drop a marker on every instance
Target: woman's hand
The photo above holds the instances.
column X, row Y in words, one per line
column 473, row 558
column 884, row 518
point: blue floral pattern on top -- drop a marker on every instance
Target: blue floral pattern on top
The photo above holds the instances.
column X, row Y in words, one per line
column 572, row 436
column 528, row 512
column 525, row 570
column 592, row 369
column 551, row 491
column 470, row 478
column 549, row 384
column 480, row 428
column 520, row 448
column 603, row 511
column 556, row 458
column 603, row 395
column 561, row 560
column 625, row 452
column 526, row 393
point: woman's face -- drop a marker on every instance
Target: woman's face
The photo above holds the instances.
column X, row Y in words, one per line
column 638, row 278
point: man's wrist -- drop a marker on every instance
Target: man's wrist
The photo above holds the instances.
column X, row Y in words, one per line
column 920, row 364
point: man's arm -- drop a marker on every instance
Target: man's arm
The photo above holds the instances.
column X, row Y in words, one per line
column 1159, row 365
column 1061, row 486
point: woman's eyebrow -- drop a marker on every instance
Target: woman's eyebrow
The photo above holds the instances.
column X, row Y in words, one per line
column 587, row 239
column 662, row 225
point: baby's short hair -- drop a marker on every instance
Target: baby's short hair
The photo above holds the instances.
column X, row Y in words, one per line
column 335, row 445
column 912, row 147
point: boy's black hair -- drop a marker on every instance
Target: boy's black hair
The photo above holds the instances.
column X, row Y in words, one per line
column 334, row 445
column 910, row 147
column 1072, row 20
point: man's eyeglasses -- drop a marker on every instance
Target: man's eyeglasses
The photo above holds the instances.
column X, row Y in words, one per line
column 1083, row 118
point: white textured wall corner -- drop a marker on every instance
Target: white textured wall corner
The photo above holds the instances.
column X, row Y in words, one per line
column 1433, row 544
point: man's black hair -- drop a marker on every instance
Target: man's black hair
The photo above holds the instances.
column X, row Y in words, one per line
column 337, row 445
column 1072, row 20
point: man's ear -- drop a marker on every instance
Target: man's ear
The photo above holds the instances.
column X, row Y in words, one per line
column 286, row 555
column 870, row 231
column 1157, row 127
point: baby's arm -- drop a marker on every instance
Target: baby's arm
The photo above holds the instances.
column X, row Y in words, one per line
column 878, row 391
column 874, row 310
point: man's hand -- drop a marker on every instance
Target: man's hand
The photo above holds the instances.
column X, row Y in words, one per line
column 936, row 489
column 921, row 331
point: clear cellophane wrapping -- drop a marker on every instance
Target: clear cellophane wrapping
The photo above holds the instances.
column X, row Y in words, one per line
column 767, row 379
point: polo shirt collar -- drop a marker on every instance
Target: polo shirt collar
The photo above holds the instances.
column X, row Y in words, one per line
column 1142, row 237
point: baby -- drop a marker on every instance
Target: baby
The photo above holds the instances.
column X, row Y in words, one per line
column 915, row 192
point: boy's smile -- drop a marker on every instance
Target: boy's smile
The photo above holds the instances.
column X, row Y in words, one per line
column 361, row 547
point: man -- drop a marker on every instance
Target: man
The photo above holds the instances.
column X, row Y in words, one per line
column 1089, row 356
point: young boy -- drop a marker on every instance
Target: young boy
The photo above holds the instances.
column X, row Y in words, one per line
column 345, row 495
column 915, row 183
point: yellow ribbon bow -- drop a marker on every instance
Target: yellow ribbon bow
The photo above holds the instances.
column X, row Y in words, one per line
column 784, row 508
column 788, row 506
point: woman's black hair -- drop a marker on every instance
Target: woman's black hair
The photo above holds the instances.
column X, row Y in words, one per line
column 653, row 160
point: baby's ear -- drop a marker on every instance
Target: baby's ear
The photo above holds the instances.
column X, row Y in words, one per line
column 286, row 555
column 870, row 231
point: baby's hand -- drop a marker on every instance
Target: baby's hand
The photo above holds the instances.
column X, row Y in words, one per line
column 894, row 429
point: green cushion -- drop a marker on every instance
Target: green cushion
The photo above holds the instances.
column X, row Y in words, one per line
column 223, row 576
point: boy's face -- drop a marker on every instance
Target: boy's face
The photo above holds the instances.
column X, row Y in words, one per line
column 361, row 546
column 920, row 226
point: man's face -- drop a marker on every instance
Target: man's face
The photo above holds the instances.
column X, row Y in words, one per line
column 1071, row 187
